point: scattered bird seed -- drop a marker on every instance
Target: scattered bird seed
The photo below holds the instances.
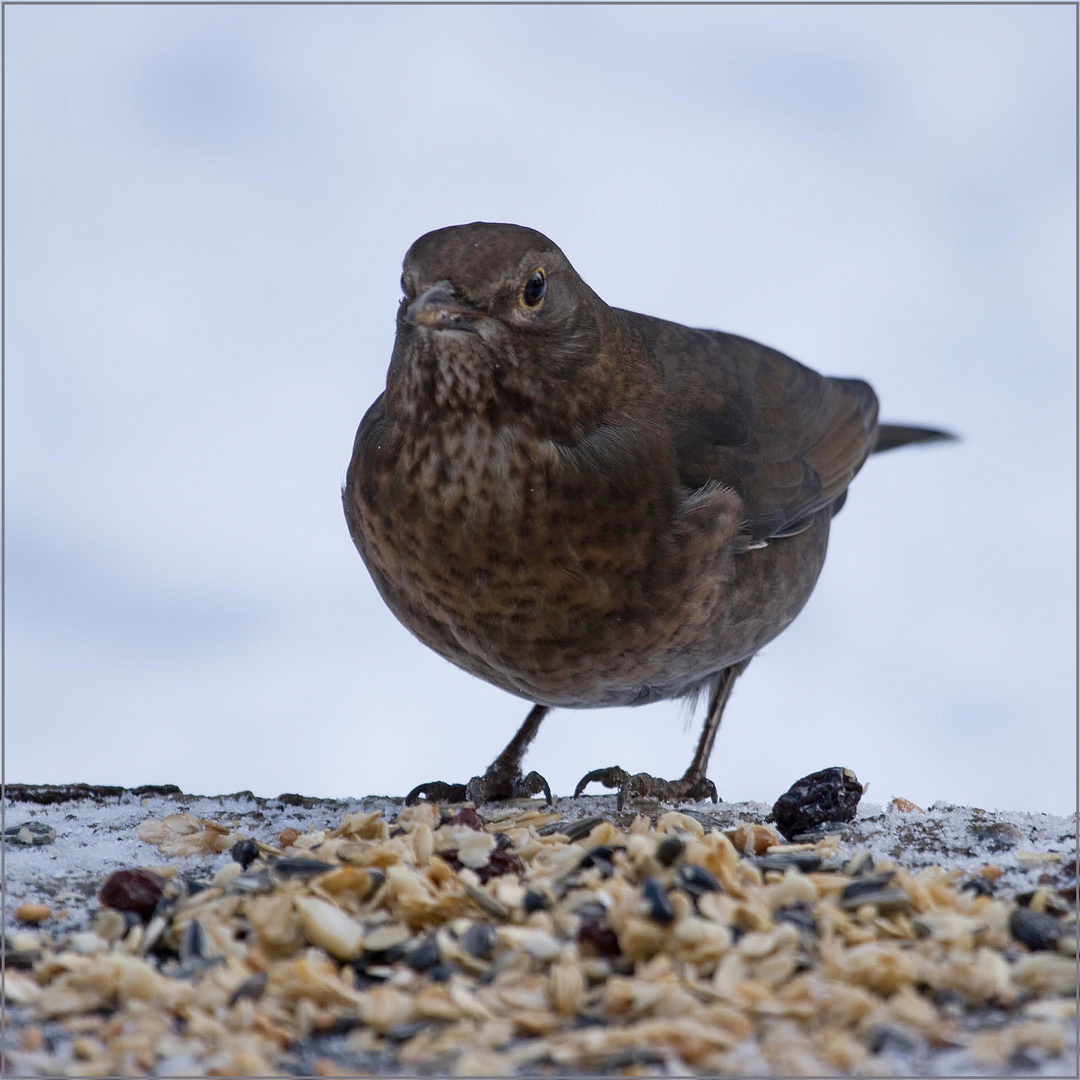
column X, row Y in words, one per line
column 298, row 867
column 535, row 901
column 192, row 942
column 669, row 850
column 862, row 862
column 868, row 883
column 696, row 880
column 804, row 861
column 479, row 940
column 423, row 956
column 1036, row 929
column 688, row 956
column 245, row 852
column 660, row 907
column 251, row 989
column 572, row 830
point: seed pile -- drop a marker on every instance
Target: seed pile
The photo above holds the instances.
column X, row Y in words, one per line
column 446, row 942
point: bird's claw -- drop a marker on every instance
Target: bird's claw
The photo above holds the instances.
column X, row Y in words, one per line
column 644, row 786
column 491, row 787
column 436, row 791
column 496, row 787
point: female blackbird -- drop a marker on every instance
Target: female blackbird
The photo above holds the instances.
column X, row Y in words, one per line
column 587, row 506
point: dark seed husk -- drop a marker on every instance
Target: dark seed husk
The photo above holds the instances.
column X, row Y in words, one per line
column 192, row 942
column 245, row 852
column 423, row 956
column 252, row 883
column 574, row 830
column 1036, row 929
column 868, row 883
column 293, row 867
column 600, row 857
column 479, row 940
column 535, row 901
column 884, row 1039
column 800, row 915
column 885, row 900
column 803, row 861
column 660, row 907
column 831, row 795
column 696, row 880
column 404, row 1032
column 862, row 862
column 668, row 850
column 980, row 886
column 251, row 988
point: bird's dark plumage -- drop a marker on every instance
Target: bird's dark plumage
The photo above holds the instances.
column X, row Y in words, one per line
column 587, row 506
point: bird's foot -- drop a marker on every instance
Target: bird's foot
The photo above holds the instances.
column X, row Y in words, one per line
column 494, row 786
column 691, row 788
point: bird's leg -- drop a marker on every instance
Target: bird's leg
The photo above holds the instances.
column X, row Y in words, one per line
column 502, row 780
column 694, row 785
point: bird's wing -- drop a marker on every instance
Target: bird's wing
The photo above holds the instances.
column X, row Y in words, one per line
column 787, row 439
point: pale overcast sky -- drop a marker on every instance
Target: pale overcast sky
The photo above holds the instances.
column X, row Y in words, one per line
column 207, row 209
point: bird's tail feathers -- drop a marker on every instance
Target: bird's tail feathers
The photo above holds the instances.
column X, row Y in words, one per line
column 891, row 436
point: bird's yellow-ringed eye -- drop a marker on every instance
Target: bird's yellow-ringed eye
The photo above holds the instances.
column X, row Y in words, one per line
column 532, row 292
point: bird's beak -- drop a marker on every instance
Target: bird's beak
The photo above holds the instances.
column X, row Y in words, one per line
column 440, row 309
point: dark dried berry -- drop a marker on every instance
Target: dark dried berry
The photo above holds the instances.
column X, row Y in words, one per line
column 668, row 850
column 602, row 938
column 423, row 956
column 245, row 852
column 479, row 940
column 535, row 901
column 133, row 890
column 501, row 862
column 450, row 856
column 696, row 880
column 1035, row 929
column 440, row 972
column 830, row 795
column 468, row 816
column 660, row 908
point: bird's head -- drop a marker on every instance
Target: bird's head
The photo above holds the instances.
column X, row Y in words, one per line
column 493, row 318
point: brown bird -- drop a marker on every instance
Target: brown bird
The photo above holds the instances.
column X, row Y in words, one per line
column 587, row 506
